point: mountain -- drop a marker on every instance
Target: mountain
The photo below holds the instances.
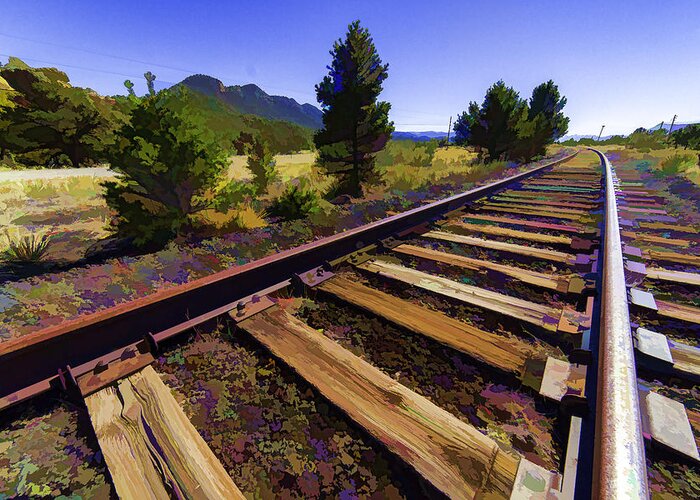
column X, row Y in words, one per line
column 667, row 126
column 251, row 99
column 578, row 137
column 418, row 136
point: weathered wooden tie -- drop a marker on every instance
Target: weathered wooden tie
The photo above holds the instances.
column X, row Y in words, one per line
column 452, row 455
column 528, row 206
column 665, row 422
column 652, row 238
column 507, row 198
column 507, row 354
column 550, row 377
column 150, row 446
column 510, row 233
column 537, row 213
column 561, row 283
column 644, row 299
column 680, row 258
column 547, row 317
column 675, row 276
column 535, row 253
column 566, row 228
column 669, row 227
column 660, row 353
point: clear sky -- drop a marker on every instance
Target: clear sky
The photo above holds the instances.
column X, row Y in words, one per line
column 620, row 63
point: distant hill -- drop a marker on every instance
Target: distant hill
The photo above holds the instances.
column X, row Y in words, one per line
column 667, row 126
column 251, row 99
column 578, row 137
column 419, row 136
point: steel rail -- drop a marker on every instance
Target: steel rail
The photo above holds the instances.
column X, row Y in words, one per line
column 29, row 364
column 619, row 461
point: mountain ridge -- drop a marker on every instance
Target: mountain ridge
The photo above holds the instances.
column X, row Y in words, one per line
column 251, row 99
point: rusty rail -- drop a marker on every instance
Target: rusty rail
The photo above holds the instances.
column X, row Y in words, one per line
column 620, row 464
column 31, row 364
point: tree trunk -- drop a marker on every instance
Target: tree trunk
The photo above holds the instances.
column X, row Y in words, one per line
column 74, row 155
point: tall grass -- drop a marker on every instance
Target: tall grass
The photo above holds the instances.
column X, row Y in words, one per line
column 27, row 248
column 678, row 163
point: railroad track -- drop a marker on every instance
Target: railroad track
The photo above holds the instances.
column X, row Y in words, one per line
column 526, row 278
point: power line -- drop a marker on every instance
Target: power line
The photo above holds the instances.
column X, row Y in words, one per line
column 53, row 44
column 152, row 64
column 76, row 67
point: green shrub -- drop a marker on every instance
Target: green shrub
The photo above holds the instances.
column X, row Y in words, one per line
column 172, row 167
column 678, row 163
column 296, row 202
column 407, row 152
column 30, row 248
column 40, row 189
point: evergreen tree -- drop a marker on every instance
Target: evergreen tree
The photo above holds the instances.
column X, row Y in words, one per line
column 496, row 124
column 547, row 101
column 172, row 167
column 261, row 161
column 52, row 121
column 355, row 125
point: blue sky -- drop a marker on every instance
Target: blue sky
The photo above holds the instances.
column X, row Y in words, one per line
column 622, row 64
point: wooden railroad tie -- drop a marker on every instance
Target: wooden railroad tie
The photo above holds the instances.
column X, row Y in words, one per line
column 666, row 425
column 574, row 242
column 151, row 448
column 646, row 300
column 581, row 261
column 656, row 352
column 452, row 455
column 565, row 228
column 570, row 283
column 552, row 378
column 680, row 258
column 544, row 316
column 582, row 218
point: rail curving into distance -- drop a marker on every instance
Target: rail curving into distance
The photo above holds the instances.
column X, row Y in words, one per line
column 620, row 464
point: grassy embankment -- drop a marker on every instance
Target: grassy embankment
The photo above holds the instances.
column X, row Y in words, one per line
column 72, row 210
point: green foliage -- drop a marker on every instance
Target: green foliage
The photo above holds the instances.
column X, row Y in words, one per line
column 29, row 248
column 172, row 166
column 51, row 122
column 130, row 87
column 296, row 202
column 355, row 125
column 150, row 78
column 407, row 152
column 495, row 125
column 645, row 140
column 261, row 161
column 508, row 127
column 687, row 137
column 678, row 163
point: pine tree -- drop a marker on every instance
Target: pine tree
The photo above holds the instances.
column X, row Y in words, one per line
column 496, row 124
column 355, row 125
column 50, row 121
column 547, row 101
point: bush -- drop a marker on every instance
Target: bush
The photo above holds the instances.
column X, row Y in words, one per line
column 172, row 167
column 261, row 161
column 29, row 249
column 407, row 152
column 678, row 163
column 297, row 202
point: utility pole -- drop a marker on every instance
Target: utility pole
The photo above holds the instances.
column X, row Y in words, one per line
column 601, row 132
column 670, row 129
column 449, row 128
column 662, row 125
